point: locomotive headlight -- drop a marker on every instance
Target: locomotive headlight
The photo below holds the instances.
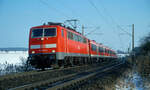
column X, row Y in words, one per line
column 42, row 38
column 53, row 51
column 33, row 52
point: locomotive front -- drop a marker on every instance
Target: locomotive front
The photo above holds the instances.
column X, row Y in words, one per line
column 42, row 46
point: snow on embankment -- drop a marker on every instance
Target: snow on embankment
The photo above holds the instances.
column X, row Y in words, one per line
column 12, row 57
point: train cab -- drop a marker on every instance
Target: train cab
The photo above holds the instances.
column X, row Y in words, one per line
column 42, row 40
column 43, row 44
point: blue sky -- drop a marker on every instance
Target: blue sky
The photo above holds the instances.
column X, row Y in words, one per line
column 18, row 16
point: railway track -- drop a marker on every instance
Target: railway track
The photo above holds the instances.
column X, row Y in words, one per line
column 72, row 80
column 26, row 78
column 84, row 78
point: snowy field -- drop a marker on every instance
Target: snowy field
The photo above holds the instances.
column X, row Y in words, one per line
column 12, row 57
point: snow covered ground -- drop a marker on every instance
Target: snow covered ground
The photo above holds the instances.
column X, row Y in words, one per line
column 12, row 57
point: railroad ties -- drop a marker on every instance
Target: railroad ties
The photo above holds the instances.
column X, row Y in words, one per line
column 60, row 79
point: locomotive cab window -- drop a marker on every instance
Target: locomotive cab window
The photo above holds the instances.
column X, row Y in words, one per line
column 50, row 32
column 37, row 33
column 47, row 32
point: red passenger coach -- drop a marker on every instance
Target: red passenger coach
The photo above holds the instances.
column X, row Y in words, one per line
column 99, row 52
column 55, row 44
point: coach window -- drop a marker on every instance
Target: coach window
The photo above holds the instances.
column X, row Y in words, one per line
column 70, row 35
column 62, row 32
column 84, row 40
column 67, row 34
column 104, row 50
column 75, row 37
column 99, row 49
column 108, row 51
column 80, row 39
column 94, row 47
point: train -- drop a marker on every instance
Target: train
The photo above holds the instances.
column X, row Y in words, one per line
column 55, row 44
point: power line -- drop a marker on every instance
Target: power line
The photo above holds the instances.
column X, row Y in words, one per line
column 121, row 41
column 92, row 31
column 67, row 7
column 107, row 21
column 61, row 13
column 100, row 14
column 98, row 11
column 74, row 13
column 54, row 9
column 113, row 20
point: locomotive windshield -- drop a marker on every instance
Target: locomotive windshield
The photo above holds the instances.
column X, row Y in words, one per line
column 37, row 33
column 47, row 32
column 50, row 32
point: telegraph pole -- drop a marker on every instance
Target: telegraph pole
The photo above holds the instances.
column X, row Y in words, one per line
column 133, row 43
column 132, row 37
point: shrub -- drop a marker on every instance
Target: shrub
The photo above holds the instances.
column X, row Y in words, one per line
column 7, row 68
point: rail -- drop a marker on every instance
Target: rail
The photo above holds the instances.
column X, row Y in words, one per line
column 69, row 80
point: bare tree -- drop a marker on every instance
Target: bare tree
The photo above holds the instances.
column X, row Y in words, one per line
column 7, row 68
column 25, row 66
column 145, row 45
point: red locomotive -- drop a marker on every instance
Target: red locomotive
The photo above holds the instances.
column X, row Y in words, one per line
column 56, row 44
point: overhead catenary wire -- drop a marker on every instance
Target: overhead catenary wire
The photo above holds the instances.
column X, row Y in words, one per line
column 118, row 26
column 107, row 21
column 92, row 31
column 121, row 41
column 74, row 13
column 65, row 15
column 113, row 20
column 54, row 9
column 98, row 11
column 58, row 11
column 67, row 7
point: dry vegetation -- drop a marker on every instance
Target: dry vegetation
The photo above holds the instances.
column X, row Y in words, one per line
column 143, row 65
column 109, row 81
column 32, row 77
column 7, row 68
column 143, row 57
